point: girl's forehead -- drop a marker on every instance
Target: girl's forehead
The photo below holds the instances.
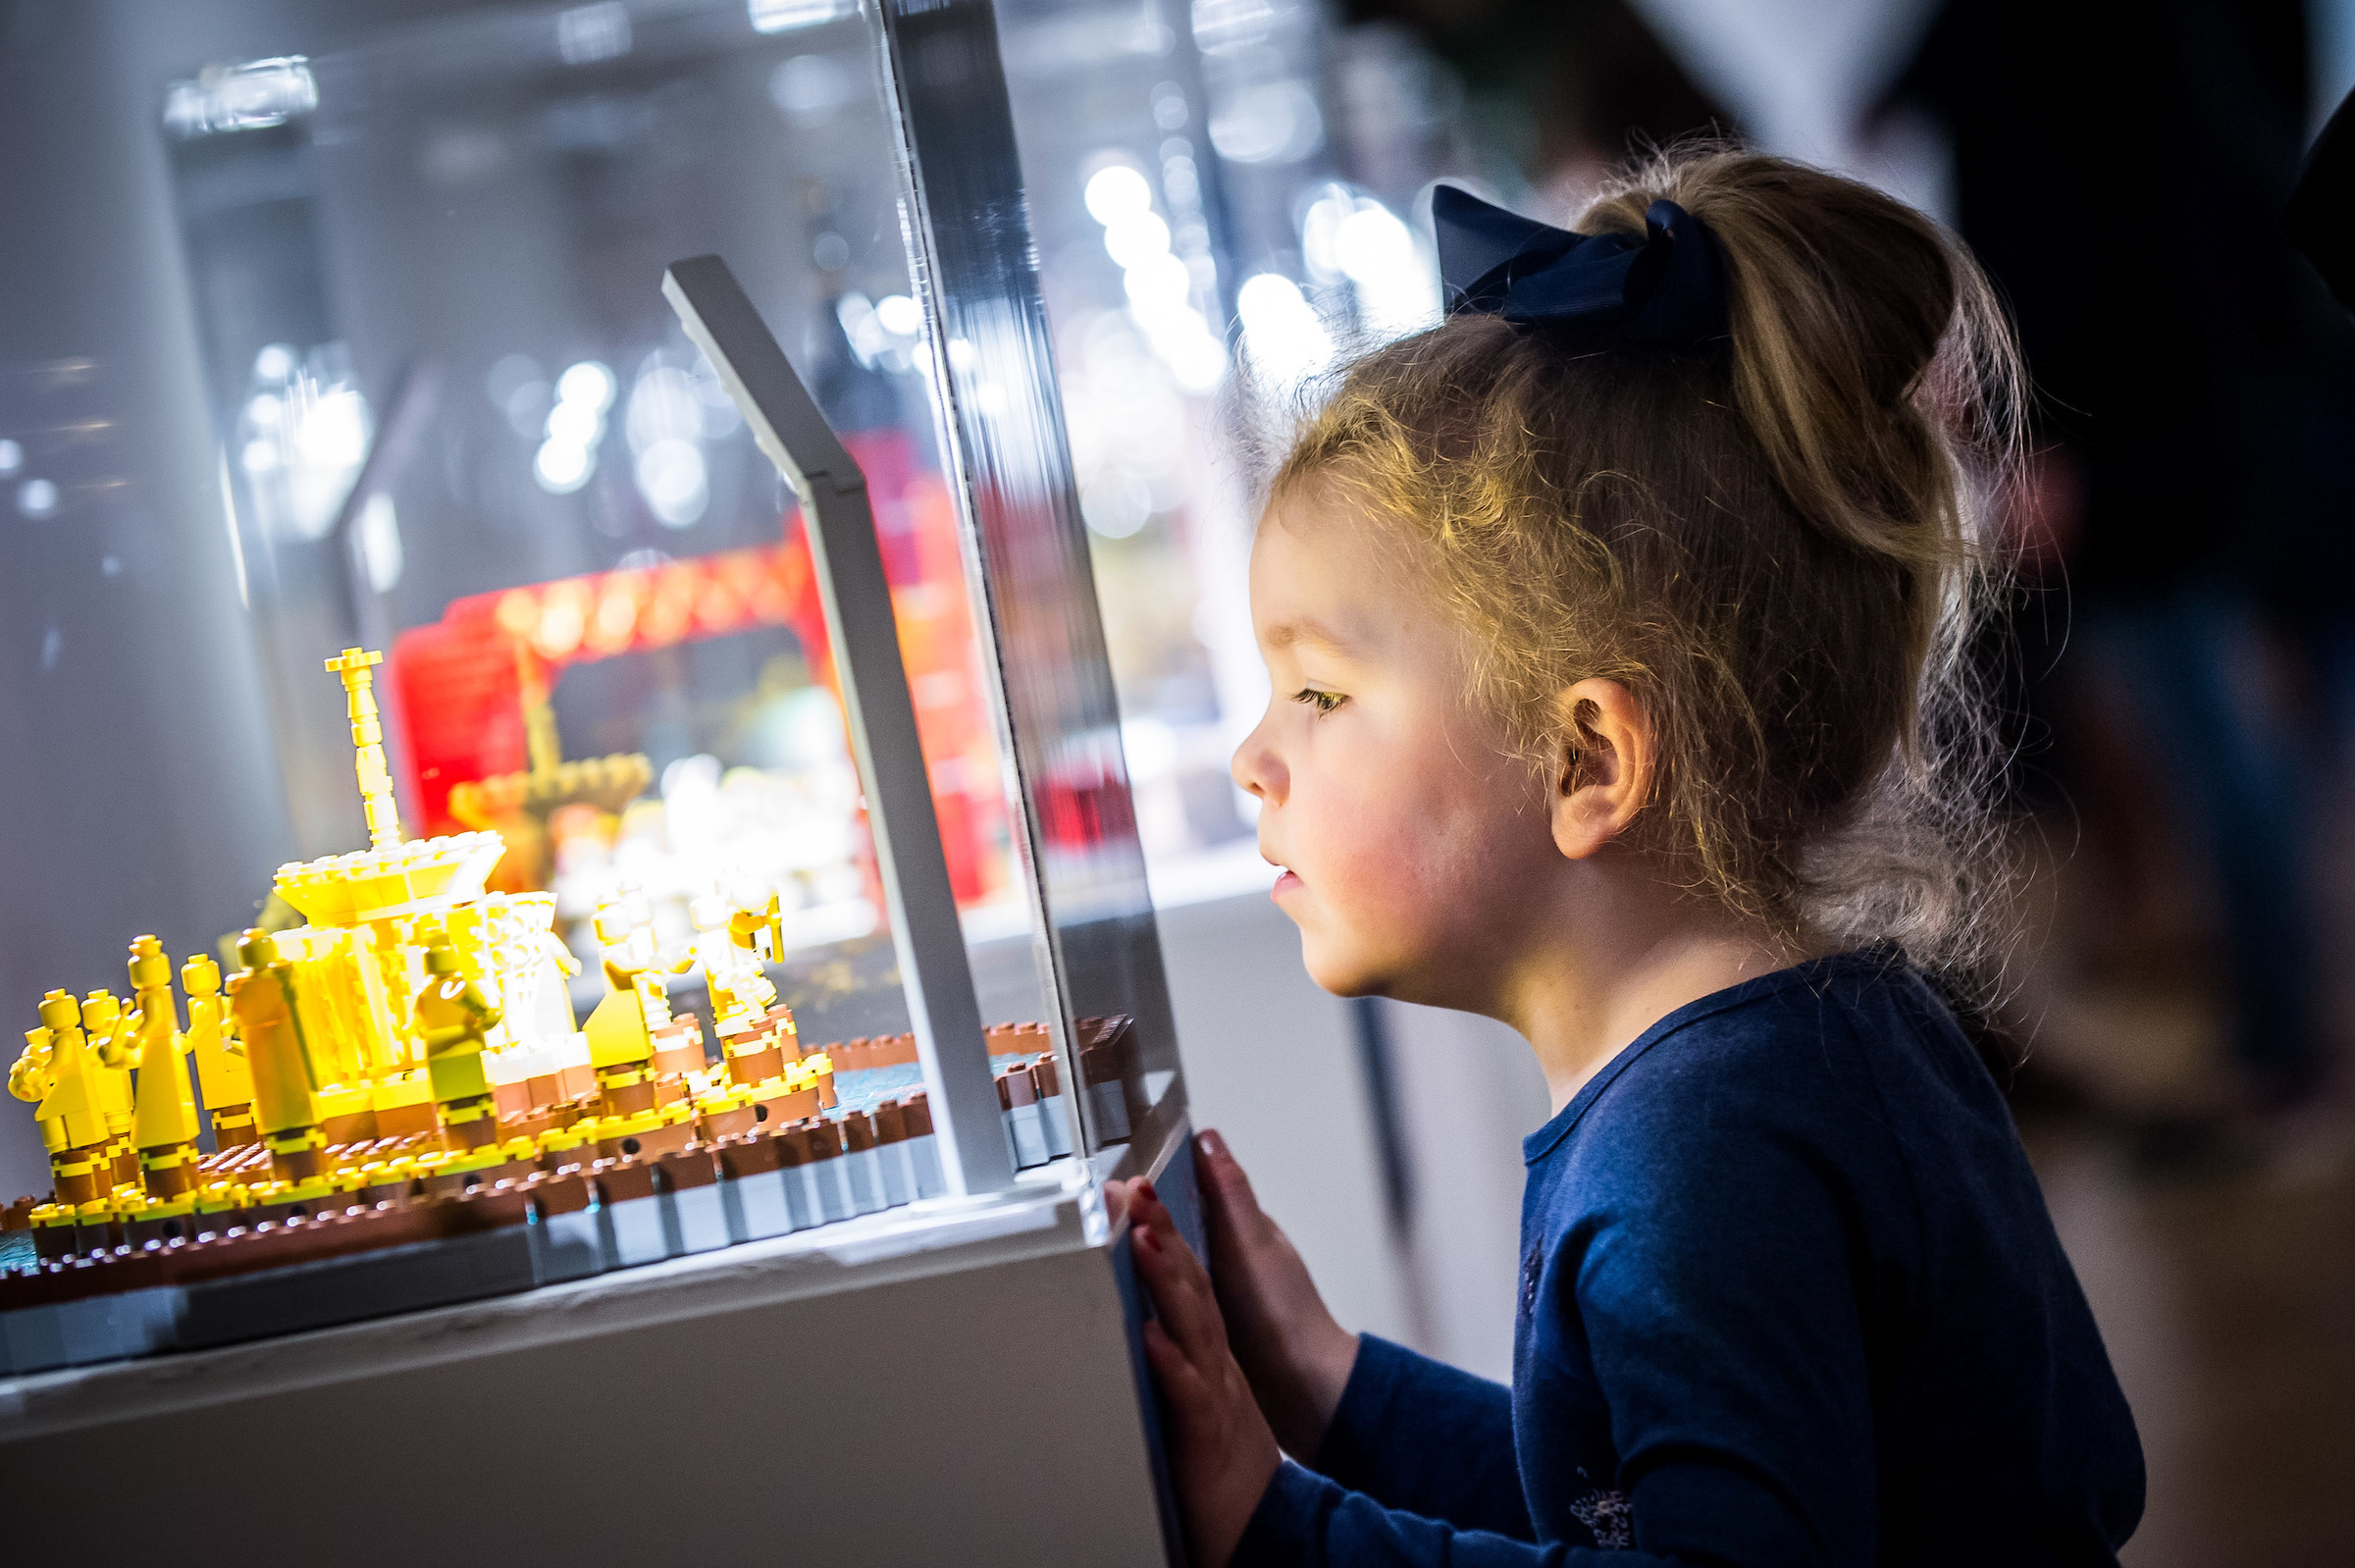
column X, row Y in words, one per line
column 1320, row 580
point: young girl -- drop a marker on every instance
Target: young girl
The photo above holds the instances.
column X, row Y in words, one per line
column 1620, row 630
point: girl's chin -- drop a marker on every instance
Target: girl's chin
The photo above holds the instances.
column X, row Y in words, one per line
column 1342, row 973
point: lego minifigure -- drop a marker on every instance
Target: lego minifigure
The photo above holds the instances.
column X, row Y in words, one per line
column 164, row 1118
column 740, row 990
column 621, row 1029
column 452, row 1016
column 72, row 1117
column 108, row 1028
column 285, row 1095
column 220, row 1055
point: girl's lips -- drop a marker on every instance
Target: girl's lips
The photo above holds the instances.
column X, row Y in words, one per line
column 1289, row 882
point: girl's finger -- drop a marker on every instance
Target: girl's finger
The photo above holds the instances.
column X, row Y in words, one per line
column 1228, row 1179
column 1183, row 1288
column 1181, row 1381
column 1183, row 1294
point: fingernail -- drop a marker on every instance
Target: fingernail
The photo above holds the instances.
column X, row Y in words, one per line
column 1145, row 1190
column 1212, row 1146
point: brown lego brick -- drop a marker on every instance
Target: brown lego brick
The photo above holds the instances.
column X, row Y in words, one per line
column 858, row 1132
column 678, row 1047
column 681, row 1056
column 358, row 1127
column 220, row 1222
column 26, row 1288
column 543, row 1088
column 752, row 1154
column 396, row 1192
column 691, row 1167
column 490, row 1208
column 630, row 1099
column 728, row 1123
column 619, row 1180
column 553, row 1157
column 822, row 1138
column 646, row 1145
column 273, row 1246
column 565, row 1192
column 508, row 1099
column 684, row 1032
column 450, row 1183
column 754, row 1067
column 472, row 1133
column 108, row 1275
column 575, row 1081
column 17, row 1215
column 891, row 1123
column 917, row 1108
column 1017, row 1087
column 300, row 1166
column 784, row 1108
column 1046, row 1075
column 531, row 1125
column 138, row 1232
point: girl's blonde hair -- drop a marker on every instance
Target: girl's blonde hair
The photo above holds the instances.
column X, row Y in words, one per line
column 1781, row 547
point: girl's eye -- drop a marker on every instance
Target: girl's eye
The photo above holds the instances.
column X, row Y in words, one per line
column 1323, row 701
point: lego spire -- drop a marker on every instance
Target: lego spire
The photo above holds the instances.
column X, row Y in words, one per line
column 357, row 667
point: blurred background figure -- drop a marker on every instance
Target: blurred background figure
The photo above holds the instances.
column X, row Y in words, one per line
column 2188, row 518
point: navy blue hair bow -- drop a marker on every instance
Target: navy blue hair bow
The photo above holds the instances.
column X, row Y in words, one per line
column 1664, row 290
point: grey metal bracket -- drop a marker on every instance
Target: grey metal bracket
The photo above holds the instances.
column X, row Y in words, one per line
column 785, row 421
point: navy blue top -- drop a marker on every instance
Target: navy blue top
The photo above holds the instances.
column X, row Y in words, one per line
column 1788, row 1295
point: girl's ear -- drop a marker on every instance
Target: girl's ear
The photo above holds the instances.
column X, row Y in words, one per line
column 1604, row 775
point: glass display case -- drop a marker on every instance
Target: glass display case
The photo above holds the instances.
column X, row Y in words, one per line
column 643, row 972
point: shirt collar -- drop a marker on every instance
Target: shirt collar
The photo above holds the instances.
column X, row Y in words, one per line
column 1542, row 1142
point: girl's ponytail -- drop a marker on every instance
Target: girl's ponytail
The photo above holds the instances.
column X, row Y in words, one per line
column 1870, row 357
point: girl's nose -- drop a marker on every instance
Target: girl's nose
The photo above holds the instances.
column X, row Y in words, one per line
column 1257, row 767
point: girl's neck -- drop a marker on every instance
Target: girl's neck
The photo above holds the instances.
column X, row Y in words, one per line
column 1631, row 952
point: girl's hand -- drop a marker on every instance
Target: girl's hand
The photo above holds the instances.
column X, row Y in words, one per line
column 1297, row 1357
column 1222, row 1454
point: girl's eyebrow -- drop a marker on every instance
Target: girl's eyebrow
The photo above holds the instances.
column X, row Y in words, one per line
column 1307, row 629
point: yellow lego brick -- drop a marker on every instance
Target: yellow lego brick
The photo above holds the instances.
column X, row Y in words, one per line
column 618, row 1032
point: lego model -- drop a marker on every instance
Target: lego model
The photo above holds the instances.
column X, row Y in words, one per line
column 517, row 806
column 406, row 1068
